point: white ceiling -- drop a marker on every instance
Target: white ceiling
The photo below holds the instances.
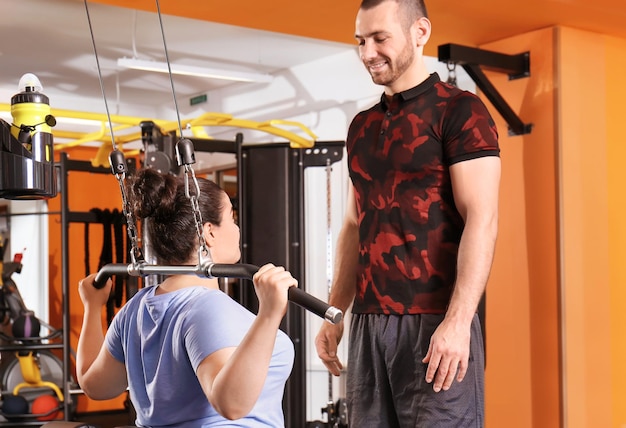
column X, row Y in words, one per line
column 52, row 40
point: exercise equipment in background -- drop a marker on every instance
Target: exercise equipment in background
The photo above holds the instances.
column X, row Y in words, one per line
column 47, row 406
column 14, row 407
column 31, row 378
column 185, row 158
column 336, row 411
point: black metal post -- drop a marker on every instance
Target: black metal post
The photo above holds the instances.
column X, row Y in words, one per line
column 65, row 298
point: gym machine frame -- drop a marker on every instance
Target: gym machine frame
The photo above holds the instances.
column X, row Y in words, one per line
column 283, row 176
column 270, row 181
column 185, row 158
column 271, row 208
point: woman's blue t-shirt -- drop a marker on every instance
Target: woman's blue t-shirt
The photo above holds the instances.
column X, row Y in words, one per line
column 163, row 338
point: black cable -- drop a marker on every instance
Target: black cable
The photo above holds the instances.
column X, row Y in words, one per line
column 117, row 220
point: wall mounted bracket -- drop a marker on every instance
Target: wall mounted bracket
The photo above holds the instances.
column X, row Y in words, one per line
column 516, row 66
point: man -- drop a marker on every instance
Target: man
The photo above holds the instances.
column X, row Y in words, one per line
column 417, row 243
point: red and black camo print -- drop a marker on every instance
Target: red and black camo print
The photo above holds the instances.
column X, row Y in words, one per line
column 399, row 152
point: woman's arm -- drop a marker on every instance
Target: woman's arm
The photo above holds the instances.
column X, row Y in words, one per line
column 233, row 378
column 100, row 375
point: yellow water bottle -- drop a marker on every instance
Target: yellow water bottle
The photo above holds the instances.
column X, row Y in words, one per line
column 30, row 109
column 27, row 168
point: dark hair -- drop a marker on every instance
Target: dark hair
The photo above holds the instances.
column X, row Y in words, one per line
column 411, row 10
column 161, row 199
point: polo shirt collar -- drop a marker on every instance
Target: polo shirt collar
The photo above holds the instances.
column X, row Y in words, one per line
column 411, row 93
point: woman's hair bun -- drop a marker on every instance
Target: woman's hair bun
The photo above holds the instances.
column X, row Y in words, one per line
column 153, row 194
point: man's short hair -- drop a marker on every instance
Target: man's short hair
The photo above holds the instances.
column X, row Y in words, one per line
column 411, row 10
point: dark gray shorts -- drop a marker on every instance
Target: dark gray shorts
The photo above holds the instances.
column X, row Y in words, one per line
column 386, row 385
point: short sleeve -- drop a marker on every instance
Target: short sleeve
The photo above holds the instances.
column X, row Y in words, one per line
column 113, row 338
column 214, row 323
column 468, row 130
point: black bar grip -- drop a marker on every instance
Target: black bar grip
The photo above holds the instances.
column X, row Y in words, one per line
column 296, row 295
column 315, row 305
column 239, row 270
column 107, row 271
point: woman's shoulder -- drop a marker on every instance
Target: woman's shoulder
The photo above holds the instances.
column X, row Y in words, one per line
column 212, row 301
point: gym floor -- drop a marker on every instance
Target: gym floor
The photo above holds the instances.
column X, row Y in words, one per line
column 109, row 419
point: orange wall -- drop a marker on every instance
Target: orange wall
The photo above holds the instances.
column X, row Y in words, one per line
column 591, row 150
column 522, row 374
column 555, row 317
column 85, row 191
column 584, row 259
column 615, row 92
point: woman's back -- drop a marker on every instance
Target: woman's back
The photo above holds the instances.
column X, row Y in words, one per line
column 163, row 338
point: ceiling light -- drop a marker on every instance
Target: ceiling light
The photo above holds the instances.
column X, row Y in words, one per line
column 189, row 70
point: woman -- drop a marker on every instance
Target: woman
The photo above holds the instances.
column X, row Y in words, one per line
column 189, row 354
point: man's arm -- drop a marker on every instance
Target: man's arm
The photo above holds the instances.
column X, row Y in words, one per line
column 475, row 186
column 343, row 288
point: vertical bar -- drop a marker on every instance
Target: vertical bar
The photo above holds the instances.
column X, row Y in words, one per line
column 272, row 203
column 65, row 284
column 296, row 399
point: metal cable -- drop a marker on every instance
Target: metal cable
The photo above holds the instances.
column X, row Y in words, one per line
column 95, row 51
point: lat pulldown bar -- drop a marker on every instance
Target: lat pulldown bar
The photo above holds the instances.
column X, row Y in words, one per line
column 214, row 270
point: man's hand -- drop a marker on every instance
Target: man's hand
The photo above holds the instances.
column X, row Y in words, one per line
column 448, row 354
column 326, row 343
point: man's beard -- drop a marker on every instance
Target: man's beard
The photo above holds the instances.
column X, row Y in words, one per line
column 396, row 68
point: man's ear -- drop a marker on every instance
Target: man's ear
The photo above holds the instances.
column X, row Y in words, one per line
column 421, row 31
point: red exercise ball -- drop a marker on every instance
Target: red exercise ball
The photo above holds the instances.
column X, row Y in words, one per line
column 46, row 405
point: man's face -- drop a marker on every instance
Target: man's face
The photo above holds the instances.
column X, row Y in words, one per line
column 384, row 46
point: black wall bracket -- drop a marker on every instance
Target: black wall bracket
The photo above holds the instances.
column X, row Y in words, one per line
column 516, row 66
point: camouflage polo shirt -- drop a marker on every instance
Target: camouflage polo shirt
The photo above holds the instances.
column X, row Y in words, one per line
column 399, row 154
